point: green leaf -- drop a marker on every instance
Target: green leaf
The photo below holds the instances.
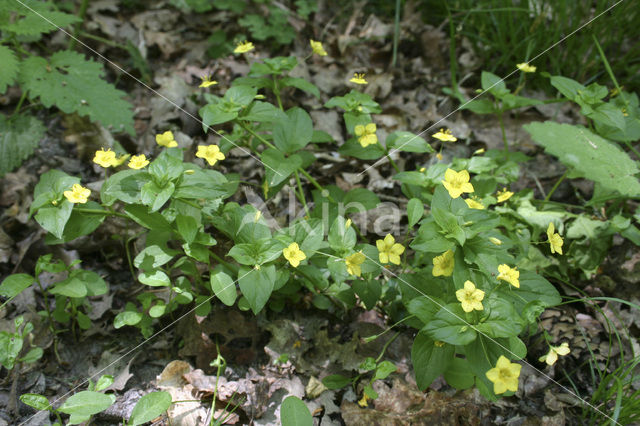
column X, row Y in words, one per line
column 359, row 200
column 223, row 287
column 493, row 84
column 257, row 253
column 149, row 407
column 187, row 227
column 277, row 167
column 352, row 148
column 38, row 18
column 93, row 282
column 15, row 284
column 262, row 112
column 153, row 257
column 336, row 381
column 429, row 360
column 213, row 114
column 383, row 370
column 503, row 320
column 74, row 84
column 302, row 84
column 54, row 218
column 140, row 214
column 407, row 142
column 340, row 237
column 70, row 287
column 9, row 69
column 293, row 133
column 127, row 318
column 450, row 326
column 415, row 211
column 368, row 291
column 533, row 287
column 155, row 196
column 256, row 285
column 458, row 374
column 294, row 412
column 39, row 402
column 19, row 136
column 84, row 404
column 125, row 186
column 103, row 382
column 154, row 278
column 202, row 184
column 588, row 155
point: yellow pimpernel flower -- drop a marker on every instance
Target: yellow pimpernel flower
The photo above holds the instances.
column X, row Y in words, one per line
column 504, row 376
column 138, row 162
column 554, row 351
column 389, row 250
column 525, row 67
column 353, row 263
column 78, row 194
column 366, row 134
column 166, row 139
column 473, row 203
column 104, row 158
column 470, row 297
column 211, row 153
column 443, row 264
column 555, row 240
column 358, row 79
column 495, row 241
column 363, row 401
column 294, row 255
column 244, row 47
column 510, row 275
column 444, row 136
column 206, row 81
column 317, row 48
column 457, row 182
column 504, row 195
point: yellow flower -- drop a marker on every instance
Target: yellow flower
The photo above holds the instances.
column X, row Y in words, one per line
column 443, row 264
column 211, row 153
column 504, row 195
column 457, row 182
column 104, row 158
column 422, row 169
column 166, row 139
column 445, row 136
column 353, row 263
column 438, row 343
column 138, row 161
column 118, row 161
column 495, row 241
column 78, row 194
column 358, row 79
column 473, row 203
column 257, row 216
column 555, row 240
column 478, row 151
column 389, row 250
column 206, row 81
column 363, row 402
column 470, row 297
column 317, row 48
column 504, row 376
column 244, row 47
column 510, row 275
column 293, row 254
column 439, row 156
column 525, row 67
column 347, row 224
column 554, row 351
column 366, row 134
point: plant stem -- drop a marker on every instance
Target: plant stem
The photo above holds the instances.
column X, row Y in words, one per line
column 234, row 268
column 76, row 28
column 254, row 134
column 315, row 183
column 20, row 102
column 557, row 184
column 276, row 91
column 393, row 163
column 396, row 34
column 301, row 194
column 504, row 136
column 104, row 212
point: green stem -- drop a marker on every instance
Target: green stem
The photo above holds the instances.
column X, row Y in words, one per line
column 315, row 183
column 557, row 184
column 632, row 149
column 104, row 212
column 76, row 28
column 393, row 163
column 301, row 194
column 396, row 34
column 102, row 40
column 276, row 91
column 504, row 136
column 20, row 102
column 254, row 134
column 453, row 64
column 386, row 345
column 234, row 268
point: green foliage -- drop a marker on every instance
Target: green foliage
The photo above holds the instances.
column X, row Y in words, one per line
column 74, row 84
column 11, row 344
column 19, row 137
column 294, row 412
column 32, row 18
column 149, row 407
column 588, row 155
column 9, row 69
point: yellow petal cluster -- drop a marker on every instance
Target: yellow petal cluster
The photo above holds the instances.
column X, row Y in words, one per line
column 389, row 250
column 211, row 153
column 510, row 275
column 166, row 139
column 244, row 47
column 504, row 376
column 353, row 263
column 525, row 67
column 504, row 195
column 206, row 81
column 551, row 357
column 78, row 194
column 358, row 79
column 470, row 297
column 457, row 182
column 444, row 136
column 317, row 48
column 474, row 203
column 294, row 255
column 138, row 162
column 104, row 158
column 366, row 134
column 443, row 264
column 555, row 240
